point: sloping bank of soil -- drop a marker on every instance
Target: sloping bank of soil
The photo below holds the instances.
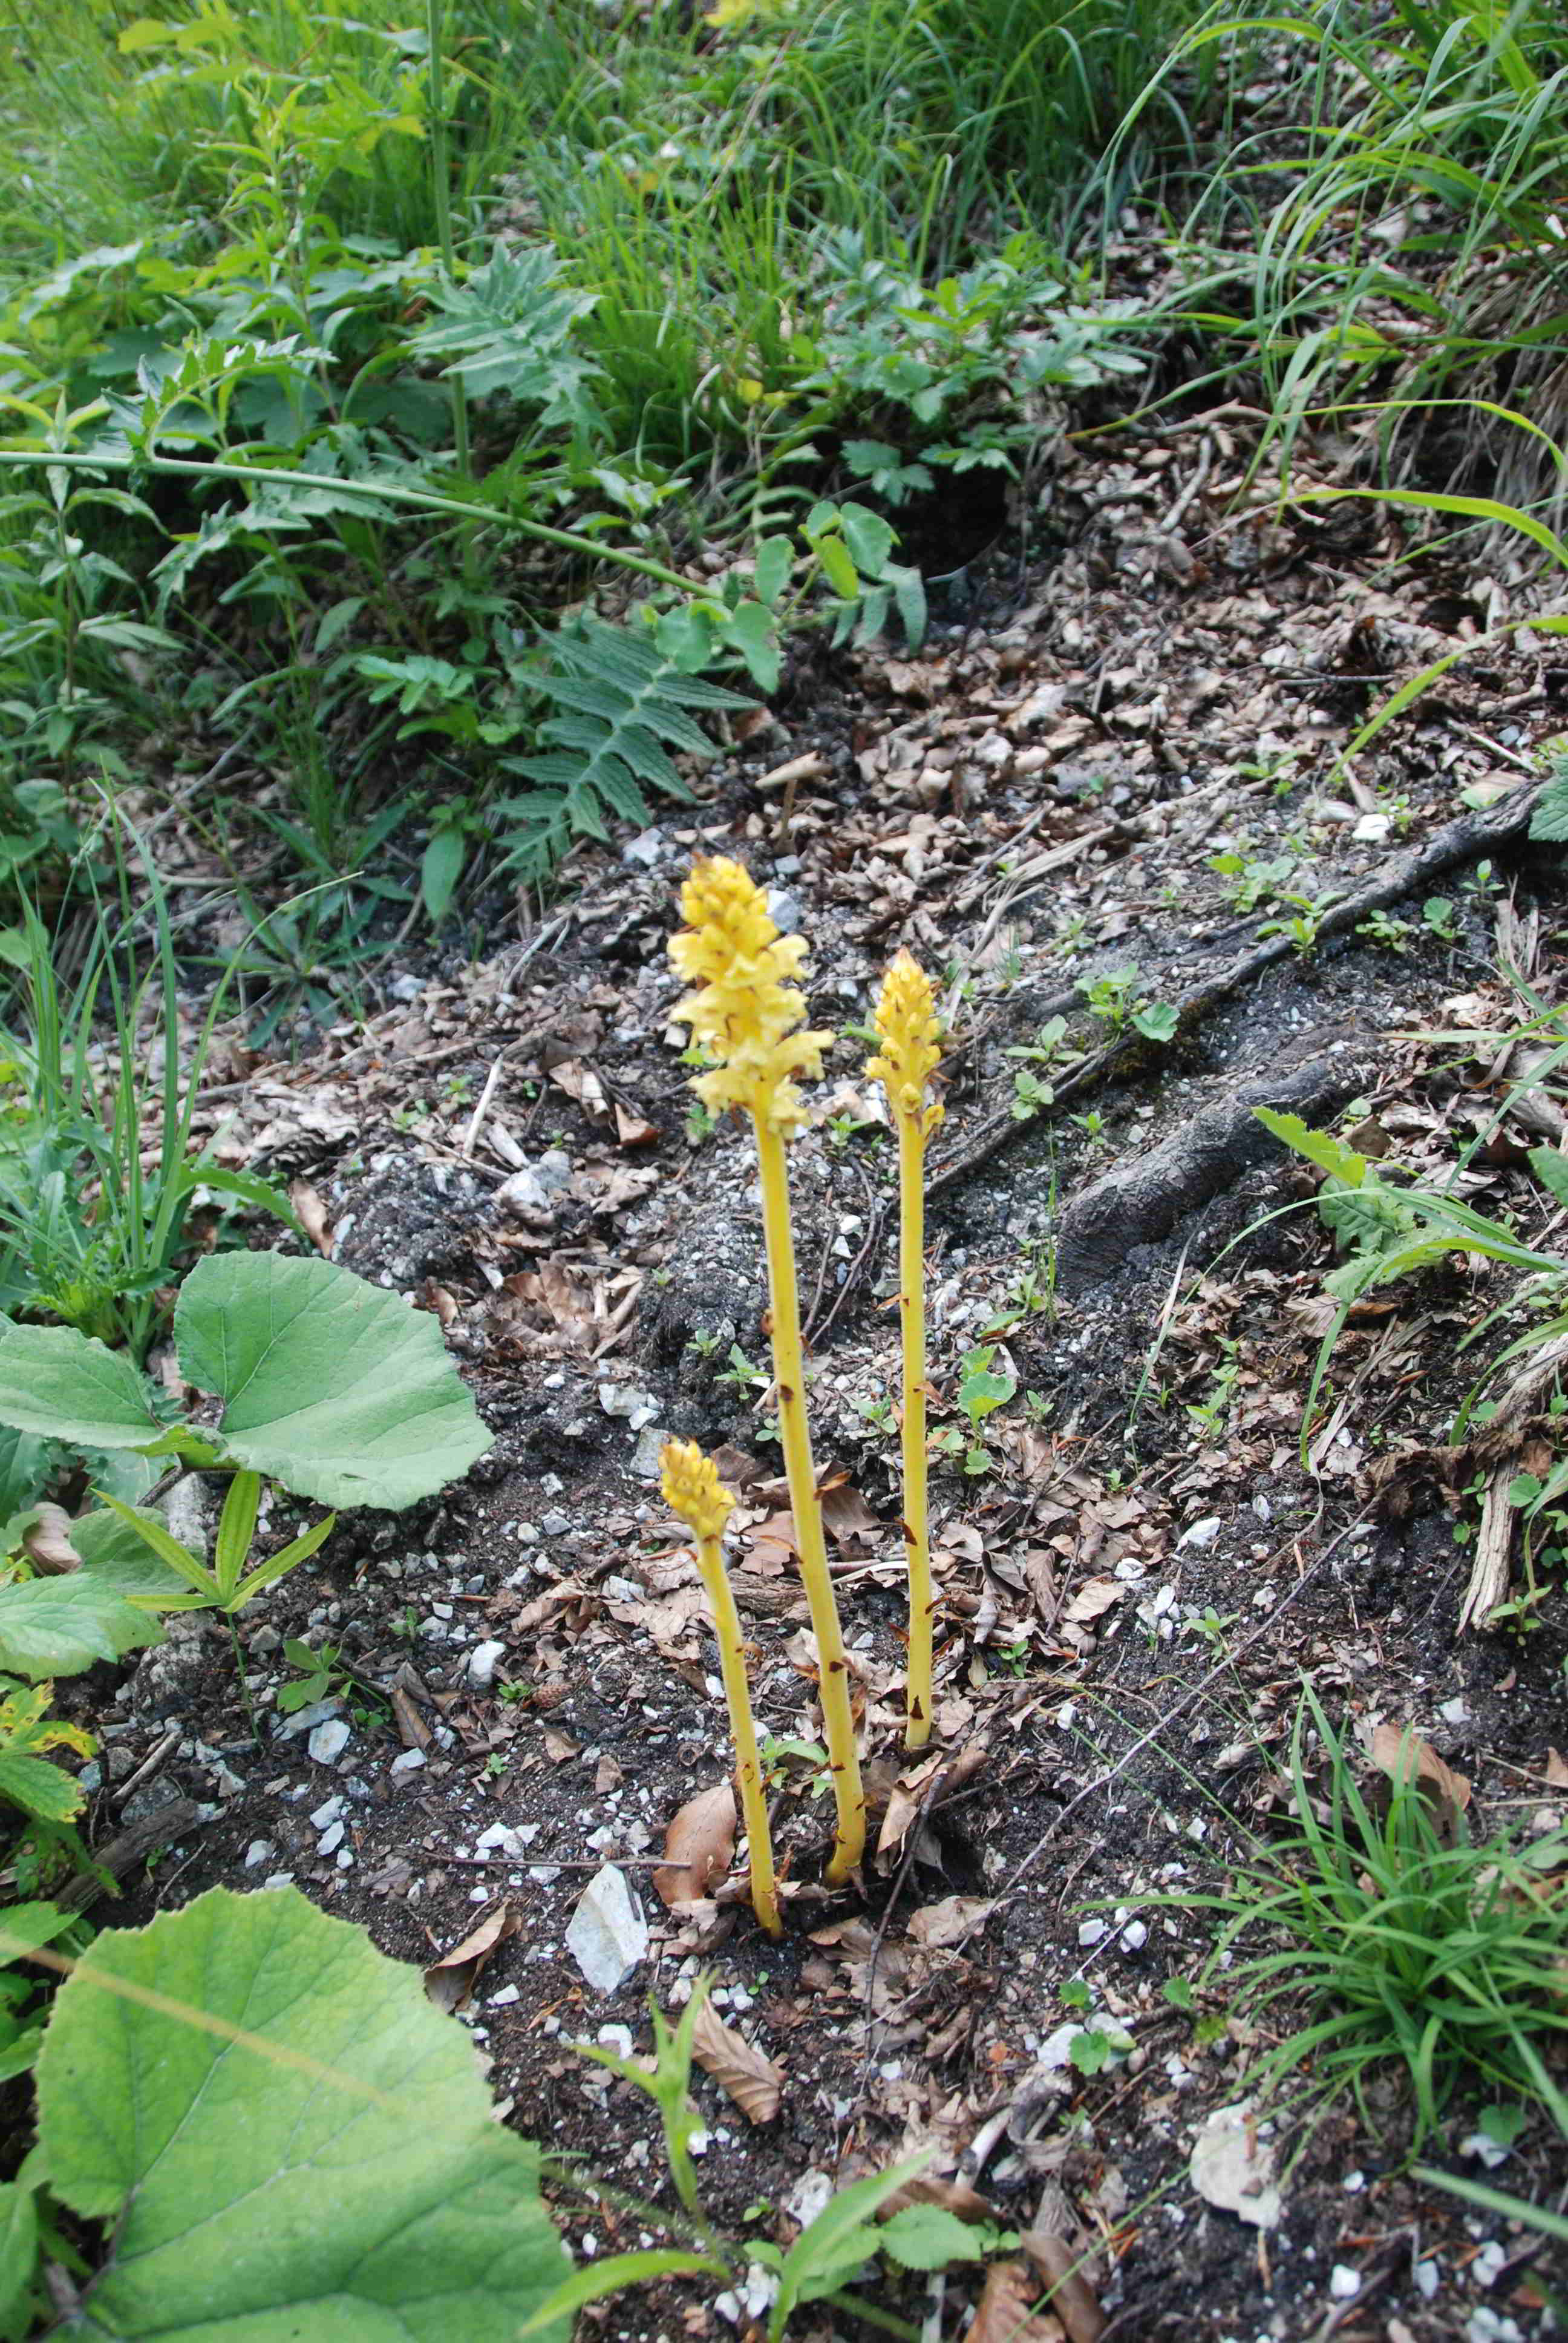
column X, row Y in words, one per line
column 1134, row 1583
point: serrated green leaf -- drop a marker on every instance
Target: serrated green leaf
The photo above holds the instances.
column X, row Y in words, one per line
column 18, row 2243
column 1551, row 1169
column 928, row 2237
column 66, row 1386
column 39, row 1787
column 1319, row 1147
column 329, row 1384
column 58, row 1626
column 335, row 2176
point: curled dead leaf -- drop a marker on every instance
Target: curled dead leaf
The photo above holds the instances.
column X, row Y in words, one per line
column 1400, row 1752
column 1007, row 2312
column 950, row 1922
column 311, row 1213
column 1072, row 2297
column 450, row 1981
column 697, row 1847
column 737, row 2066
column 1092, row 1601
column 47, row 1544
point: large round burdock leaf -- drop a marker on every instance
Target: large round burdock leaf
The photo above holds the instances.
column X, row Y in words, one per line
column 257, row 2198
column 329, row 1384
column 63, row 1385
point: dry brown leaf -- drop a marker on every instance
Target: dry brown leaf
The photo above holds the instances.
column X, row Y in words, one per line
column 845, row 1517
column 311, row 1213
column 450, row 1981
column 771, row 1545
column 736, row 1469
column 47, row 1544
column 634, row 1130
column 1403, row 1756
column 752, row 2081
column 697, row 1847
column 904, row 1802
column 1073, row 2299
column 955, row 2196
column 560, row 1747
column 1007, row 2312
column 1091, row 1601
column 1557, row 1769
column 950, row 1921
column 412, row 1728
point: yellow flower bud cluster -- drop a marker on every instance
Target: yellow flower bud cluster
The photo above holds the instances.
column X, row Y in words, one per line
column 693, row 1490
column 747, row 1005
column 906, row 1021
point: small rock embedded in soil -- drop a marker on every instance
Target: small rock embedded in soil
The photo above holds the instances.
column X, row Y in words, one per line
column 607, row 1935
column 483, row 1662
column 329, row 1741
column 409, row 1762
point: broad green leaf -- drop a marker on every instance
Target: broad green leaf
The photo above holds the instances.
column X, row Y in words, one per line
column 66, row 1386
column 18, row 2243
column 831, row 2247
column 58, row 1626
column 1551, row 1169
column 335, row 2175
column 440, row 867
column 26, row 1462
column 25, row 1927
column 775, row 559
column 869, row 538
column 928, row 2237
column 1319, row 1147
column 329, row 1384
column 39, row 1787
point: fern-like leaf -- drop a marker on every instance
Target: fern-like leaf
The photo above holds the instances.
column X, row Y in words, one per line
column 624, row 705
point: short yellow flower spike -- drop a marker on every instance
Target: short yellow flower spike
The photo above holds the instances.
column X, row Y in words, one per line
column 747, row 1005
column 906, row 1021
column 746, row 1011
column 693, row 1491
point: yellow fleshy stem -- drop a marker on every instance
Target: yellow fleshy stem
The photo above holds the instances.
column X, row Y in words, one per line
column 790, row 1372
column 748, row 1764
column 912, row 1323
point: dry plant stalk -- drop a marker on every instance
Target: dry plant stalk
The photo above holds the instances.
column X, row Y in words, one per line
column 745, row 1009
column 692, row 1489
column 906, row 1020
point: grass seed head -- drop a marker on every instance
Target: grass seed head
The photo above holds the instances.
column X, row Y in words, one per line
column 746, row 1006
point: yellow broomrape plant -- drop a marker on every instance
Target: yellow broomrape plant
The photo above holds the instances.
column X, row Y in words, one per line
column 907, row 1023
column 745, row 1009
column 692, row 1489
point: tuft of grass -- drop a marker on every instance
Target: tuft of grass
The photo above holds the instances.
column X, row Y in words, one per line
column 1423, row 1955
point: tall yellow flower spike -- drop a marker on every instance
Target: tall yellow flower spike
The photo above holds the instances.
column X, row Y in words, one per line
column 747, row 1010
column 906, row 1021
column 693, row 1490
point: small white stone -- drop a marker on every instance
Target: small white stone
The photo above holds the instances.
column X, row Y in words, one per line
column 331, row 1839
column 1134, row 1936
column 483, row 1662
column 1344, row 2283
column 1093, row 1932
column 508, row 1993
column 327, row 1813
column 409, row 1762
column 1202, row 1533
column 607, row 1934
column 329, row 1741
column 278, row 1879
column 500, row 1839
column 1428, row 2277
column 257, row 1851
